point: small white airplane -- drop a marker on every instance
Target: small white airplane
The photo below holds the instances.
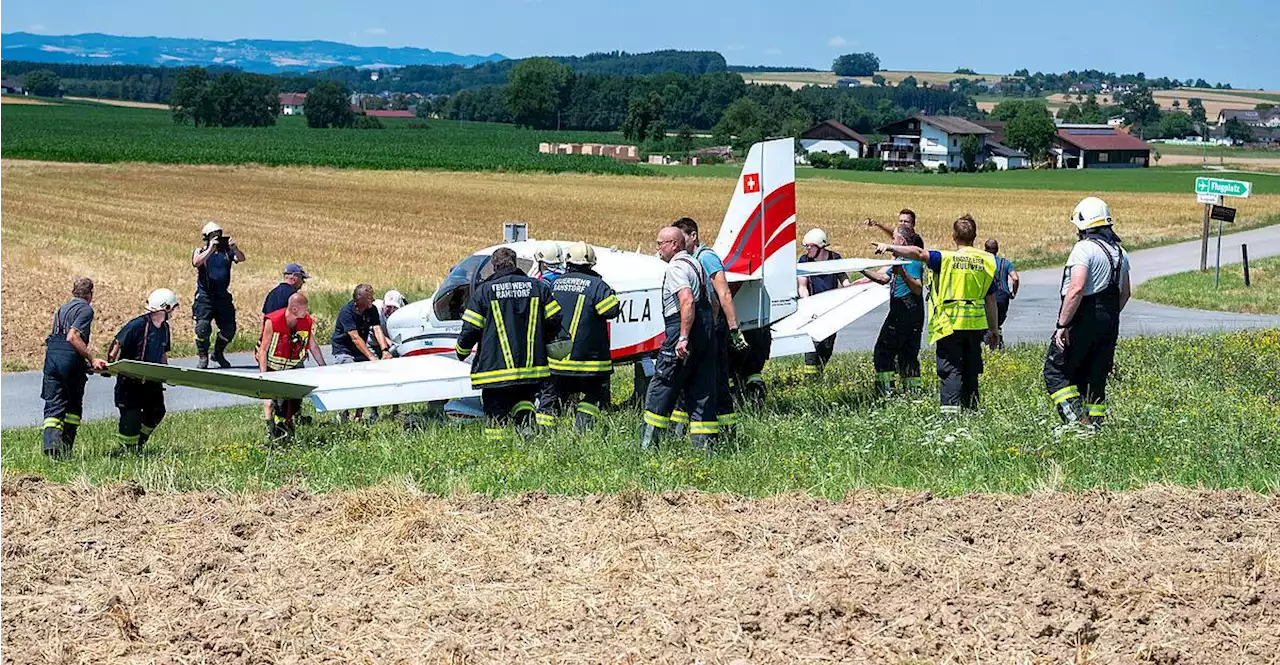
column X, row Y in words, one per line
column 757, row 242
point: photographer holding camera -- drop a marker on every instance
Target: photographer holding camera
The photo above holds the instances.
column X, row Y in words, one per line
column 213, row 303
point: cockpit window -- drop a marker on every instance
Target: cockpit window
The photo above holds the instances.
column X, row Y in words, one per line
column 451, row 298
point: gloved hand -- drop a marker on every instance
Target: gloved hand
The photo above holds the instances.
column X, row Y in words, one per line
column 737, row 341
column 462, row 354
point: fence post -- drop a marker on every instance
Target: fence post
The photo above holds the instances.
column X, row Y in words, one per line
column 1244, row 254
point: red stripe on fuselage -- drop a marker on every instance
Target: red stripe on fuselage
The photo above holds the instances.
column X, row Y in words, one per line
column 750, row 249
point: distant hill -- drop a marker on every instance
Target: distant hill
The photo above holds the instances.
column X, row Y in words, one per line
column 266, row 56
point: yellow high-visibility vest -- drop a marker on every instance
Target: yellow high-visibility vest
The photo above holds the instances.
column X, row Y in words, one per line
column 958, row 292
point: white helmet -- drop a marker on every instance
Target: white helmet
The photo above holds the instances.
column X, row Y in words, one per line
column 582, row 254
column 816, row 237
column 393, row 298
column 550, row 253
column 211, row 227
column 1091, row 212
column 161, row 300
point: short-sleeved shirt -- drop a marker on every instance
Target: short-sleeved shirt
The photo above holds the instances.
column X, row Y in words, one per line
column 822, row 283
column 683, row 272
column 76, row 313
column 711, row 264
column 278, row 298
column 1004, row 268
column 935, row 264
column 1098, row 260
column 140, row 340
column 213, row 278
column 898, row 286
column 349, row 319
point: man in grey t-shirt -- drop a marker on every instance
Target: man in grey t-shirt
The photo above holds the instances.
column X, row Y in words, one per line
column 68, row 358
column 685, row 370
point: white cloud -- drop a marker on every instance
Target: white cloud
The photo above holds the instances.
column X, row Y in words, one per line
column 773, row 50
column 837, row 41
column 375, row 31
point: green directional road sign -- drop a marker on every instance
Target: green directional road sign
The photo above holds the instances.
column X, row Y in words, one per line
column 1220, row 187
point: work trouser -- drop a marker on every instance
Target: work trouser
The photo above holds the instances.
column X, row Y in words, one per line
column 508, row 405
column 1080, row 370
column 141, row 406
column 817, row 359
column 897, row 349
column 207, row 312
column 747, row 367
column 959, row 365
column 691, row 380
column 62, row 389
column 557, row 392
column 725, row 414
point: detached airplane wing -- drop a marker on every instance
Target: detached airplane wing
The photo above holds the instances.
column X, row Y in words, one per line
column 330, row 388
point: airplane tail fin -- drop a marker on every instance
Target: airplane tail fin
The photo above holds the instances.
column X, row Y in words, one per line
column 757, row 239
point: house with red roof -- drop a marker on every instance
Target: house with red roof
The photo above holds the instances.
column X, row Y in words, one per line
column 1099, row 147
column 292, row 103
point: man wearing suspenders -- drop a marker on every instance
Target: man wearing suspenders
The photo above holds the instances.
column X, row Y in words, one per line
column 1095, row 288
column 68, row 359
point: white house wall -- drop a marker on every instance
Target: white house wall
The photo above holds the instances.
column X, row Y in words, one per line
column 851, row 148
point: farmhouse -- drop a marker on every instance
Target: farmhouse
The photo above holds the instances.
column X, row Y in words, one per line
column 292, row 103
column 1251, row 117
column 929, row 141
column 1099, row 146
column 1006, row 158
column 832, row 136
column 11, row 86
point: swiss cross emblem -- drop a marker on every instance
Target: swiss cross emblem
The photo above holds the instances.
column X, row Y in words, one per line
column 750, row 183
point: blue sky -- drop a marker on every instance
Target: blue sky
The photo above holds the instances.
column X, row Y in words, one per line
column 1229, row 40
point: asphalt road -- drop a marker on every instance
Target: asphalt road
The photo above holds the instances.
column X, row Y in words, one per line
column 1031, row 319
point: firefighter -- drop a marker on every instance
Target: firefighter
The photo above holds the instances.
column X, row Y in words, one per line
column 213, row 302
column 145, row 338
column 1095, row 289
column 1007, row 282
column 509, row 314
column 550, row 259
column 587, row 304
column 726, row 335
column 816, row 249
column 287, row 337
column 897, row 349
column 962, row 305
column 68, row 359
column 685, row 368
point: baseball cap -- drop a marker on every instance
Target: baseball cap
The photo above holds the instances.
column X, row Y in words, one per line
column 393, row 298
column 295, row 269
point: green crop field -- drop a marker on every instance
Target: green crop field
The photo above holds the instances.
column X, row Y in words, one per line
column 86, row 132
column 1201, row 411
column 1176, row 179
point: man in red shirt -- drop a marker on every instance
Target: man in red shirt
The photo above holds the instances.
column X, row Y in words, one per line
column 286, row 339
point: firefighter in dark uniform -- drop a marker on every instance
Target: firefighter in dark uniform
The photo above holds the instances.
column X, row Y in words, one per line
column 726, row 334
column 816, row 249
column 68, row 359
column 145, row 338
column 213, row 303
column 287, row 337
column 509, row 315
column 962, row 311
column 1095, row 289
column 587, row 304
column 686, row 365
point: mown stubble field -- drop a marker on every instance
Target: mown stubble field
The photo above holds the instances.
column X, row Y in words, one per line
column 132, row 227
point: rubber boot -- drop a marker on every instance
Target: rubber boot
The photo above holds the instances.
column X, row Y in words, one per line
column 53, row 445
column 1072, row 411
column 1097, row 415
column 704, row 443
column 650, row 437
column 219, row 354
column 884, row 383
column 583, row 421
column 753, row 392
column 274, row 431
column 69, row 432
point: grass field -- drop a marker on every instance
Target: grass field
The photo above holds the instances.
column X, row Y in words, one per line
column 1196, row 411
column 132, row 227
column 91, row 132
column 1176, row 179
column 1194, row 289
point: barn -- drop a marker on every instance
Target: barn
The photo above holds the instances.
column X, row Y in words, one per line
column 1099, row 147
column 832, row 136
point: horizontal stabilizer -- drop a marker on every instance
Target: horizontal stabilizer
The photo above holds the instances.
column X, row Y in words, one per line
column 827, row 313
column 843, row 265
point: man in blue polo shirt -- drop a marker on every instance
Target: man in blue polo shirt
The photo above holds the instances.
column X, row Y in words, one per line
column 278, row 298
